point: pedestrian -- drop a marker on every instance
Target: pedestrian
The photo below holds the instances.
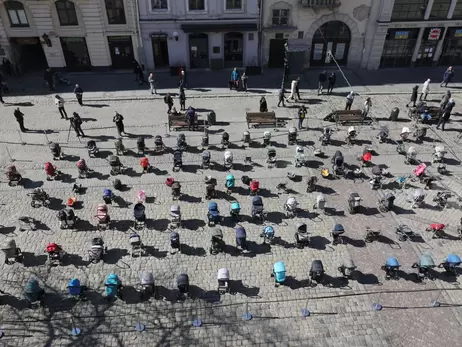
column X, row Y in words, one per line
column 48, row 77
column 182, row 98
column 244, row 82
column 235, row 78
column 415, row 91
column 282, row 92
column 152, row 83
column 331, row 82
column 446, row 114
column 367, row 107
column 263, row 105
column 297, row 88
column 135, row 66
column 301, row 116
column 169, row 102
column 119, row 122
column 59, row 101
column 445, row 99
column 447, row 77
column 9, row 69
column 140, row 73
column 293, row 88
column 425, row 90
column 322, row 80
column 76, row 123
column 182, row 82
column 349, row 100
column 78, row 94
column 191, row 113
column 20, row 119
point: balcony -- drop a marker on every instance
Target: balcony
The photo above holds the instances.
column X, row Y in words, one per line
column 320, row 4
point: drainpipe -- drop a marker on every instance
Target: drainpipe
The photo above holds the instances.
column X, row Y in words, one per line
column 260, row 35
column 139, row 38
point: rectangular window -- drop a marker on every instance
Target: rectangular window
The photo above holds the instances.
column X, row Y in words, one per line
column 233, row 4
column 279, row 36
column 440, row 9
column 196, row 5
column 251, row 36
column 409, row 10
column 115, row 12
column 457, row 11
column 66, row 13
column 280, row 17
column 159, row 5
column 301, row 34
column 16, row 13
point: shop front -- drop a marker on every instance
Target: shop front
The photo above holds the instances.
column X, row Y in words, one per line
column 430, row 39
column 121, row 49
column 399, row 47
column 452, row 48
column 23, row 48
column 76, row 53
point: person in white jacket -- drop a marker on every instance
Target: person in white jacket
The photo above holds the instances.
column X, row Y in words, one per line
column 425, row 90
column 59, row 101
column 293, row 90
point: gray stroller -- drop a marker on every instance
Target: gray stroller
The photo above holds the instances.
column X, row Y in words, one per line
column 418, row 198
column 148, row 288
column 12, row 253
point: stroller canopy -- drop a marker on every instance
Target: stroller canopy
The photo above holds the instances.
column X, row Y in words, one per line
column 174, row 236
column 440, row 149
column 390, row 197
column 257, row 201
column 91, row 144
column 269, row 230
column 299, row 150
column 293, row 130
column 354, row 197
column 216, row 232
column 225, row 136
column 230, row 178
column 419, row 194
column 338, row 228
column 74, row 286
column 271, row 152
column 177, row 154
column 97, row 241
column 206, row 155
column 32, row 287
column 291, row 201
column 10, row 169
column 412, row 151
column 114, row 160
column 240, row 233
column 181, row 137
column 453, row 259
column 279, row 267
column 135, row 238
column 107, row 193
column 235, row 206
column 351, row 130
column 405, row 130
column 426, row 260
column 182, row 280
column 228, row 155
column 301, row 228
column 320, row 198
column 138, row 210
column 223, row 274
column 175, row 209
column 158, row 140
column 338, row 154
column 213, row 206
column 317, row 266
column 112, row 280
column 101, row 208
column 8, row 243
column 376, row 170
column 392, row 262
column 147, row 278
column 267, row 135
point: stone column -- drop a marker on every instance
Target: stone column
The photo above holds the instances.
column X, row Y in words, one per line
column 417, row 45
column 429, row 9
column 439, row 48
column 451, row 9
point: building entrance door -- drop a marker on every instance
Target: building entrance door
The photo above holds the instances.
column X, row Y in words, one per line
column 332, row 37
column 160, row 50
column 121, row 48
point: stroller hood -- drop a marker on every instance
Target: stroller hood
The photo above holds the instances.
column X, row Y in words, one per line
column 32, row 286
column 291, row 201
column 317, row 266
column 182, row 280
column 177, row 154
column 112, row 279
column 10, row 169
column 139, row 209
column 419, row 193
column 426, row 260
column 235, row 206
column 240, row 233
column 320, row 198
column 175, row 209
column 293, row 130
column 453, row 259
column 392, row 262
column 140, row 140
column 299, row 150
column 206, row 155
column 376, row 170
column 213, row 206
column 230, row 177
column 225, row 136
column 8, row 243
column 228, row 155
column 147, row 278
column 223, row 274
column 411, row 151
column 271, row 151
column 338, row 228
column 74, row 283
column 338, row 154
column 405, row 130
column 269, row 230
column 279, row 266
column 440, row 149
column 354, row 196
column 216, row 232
column 97, row 241
column 351, row 129
column 301, row 228
column 257, row 201
column 134, row 238
column 174, row 236
column 107, row 192
column 91, row 144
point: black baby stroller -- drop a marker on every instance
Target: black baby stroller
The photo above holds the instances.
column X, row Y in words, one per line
column 92, row 149
column 137, row 245
column 39, row 198
column 241, row 239
column 177, row 160
column 120, row 148
column 302, row 236
column 354, row 203
column 56, row 151
column 139, row 215
column 311, row 184
column 158, row 144
column 175, row 245
column 148, row 288
column 66, row 218
column 292, row 136
column 405, row 233
column 116, row 165
column 182, row 283
column 217, row 244
column 337, row 233
column 140, row 145
column 205, row 160
column 347, row 268
column 387, row 202
column 210, row 183
column 271, row 157
column 338, row 164
column 441, row 199
column 224, row 140
column 316, row 272
column 257, row 209
column 97, row 250
column 181, row 142
column 12, row 175
column 223, row 281
column 176, row 190
column 420, row 134
column 376, row 180
column 12, row 253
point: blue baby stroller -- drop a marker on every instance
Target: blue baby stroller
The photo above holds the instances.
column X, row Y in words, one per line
column 241, row 239
column 235, row 209
column 268, row 234
column 424, row 266
column 230, row 181
column 34, row 294
column 76, row 291
column 257, row 209
column 113, row 287
column 279, row 273
column 391, row 268
column 108, row 196
column 451, row 264
column 213, row 214
column 139, row 215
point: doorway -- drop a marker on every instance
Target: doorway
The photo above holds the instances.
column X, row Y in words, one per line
column 160, row 50
column 234, row 49
column 121, row 49
column 331, row 37
column 26, row 47
column 76, row 53
column 199, row 51
column 277, row 53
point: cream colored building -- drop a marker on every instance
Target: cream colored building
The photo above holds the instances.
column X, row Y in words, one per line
column 77, row 35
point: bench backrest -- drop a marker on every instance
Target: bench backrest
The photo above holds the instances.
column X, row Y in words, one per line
column 348, row 112
column 261, row 114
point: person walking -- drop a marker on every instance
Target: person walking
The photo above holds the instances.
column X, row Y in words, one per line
column 191, row 113
column 446, row 114
column 301, row 116
column 413, row 100
column 152, row 83
column 282, row 92
column 140, row 73
column 59, row 101
column 244, row 81
column 447, row 77
column 20, row 119
column 425, row 90
column 322, row 80
column 182, row 78
column 293, row 88
column 119, row 122
column 235, row 78
column 263, row 105
column 76, row 123
column 182, row 98
column 78, row 94
column 169, row 102
column 349, row 100
column 1, row 94
column 297, row 88
column 445, row 99
column 48, row 77
column 331, row 82
column 367, row 107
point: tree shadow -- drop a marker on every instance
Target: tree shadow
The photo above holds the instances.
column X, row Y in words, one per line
column 237, row 286
column 194, row 224
column 354, row 242
column 190, row 199
column 20, row 104
column 319, row 242
column 192, row 251
column 113, row 255
column 30, row 259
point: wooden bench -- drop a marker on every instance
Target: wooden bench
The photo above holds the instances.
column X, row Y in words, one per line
column 434, row 111
column 181, row 121
column 346, row 116
column 259, row 118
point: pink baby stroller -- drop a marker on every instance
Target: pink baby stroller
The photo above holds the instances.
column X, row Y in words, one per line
column 419, row 171
column 102, row 216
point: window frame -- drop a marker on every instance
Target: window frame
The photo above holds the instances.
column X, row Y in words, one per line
column 160, row 9
column 67, row 10
column 443, row 3
column 457, row 14
column 234, row 8
column 279, row 17
column 197, row 10
column 121, row 17
column 406, row 7
column 16, row 6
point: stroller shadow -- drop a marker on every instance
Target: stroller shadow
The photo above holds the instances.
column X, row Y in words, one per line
column 13, row 302
column 363, row 278
column 275, row 217
column 132, row 173
column 400, row 210
column 191, row 168
column 295, row 284
column 242, row 167
column 194, row 224
column 76, row 260
column 319, row 242
column 58, row 303
column 314, row 164
column 258, row 248
column 158, row 224
column 159, row 172
column 192, row 251
column 29, row 184
column 190, row 198
column 278, row 241
column 237, row 286
column 231, row 250
column 100, row 176
column 166, row 294
column 325, row 190
column 331, row 211
column 266, row 193
column 130, row 295
column 155, row 252
column 30, row 259
column 335, row 282
column 113, row 255
column 84, row 225
column 354, row 242
column 122, row 225
column 121, row 202
column 56, row 204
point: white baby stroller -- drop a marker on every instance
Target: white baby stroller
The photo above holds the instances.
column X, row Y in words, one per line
column 139, row 215
column 320, row 203
column 411, row 156
column 405, row 133
column 325, row 137
column 418, row 198
column 266, row 138
column 300, row 159
column 291, row 207
column 271, row 158
column 97, row 250
column 351, row 135
column 158, row 144
column 292, row 136
column 246, row 138
column 439, row 152
column 228, row 160
column 137, row 245
column 223, row 281
column 175, row 216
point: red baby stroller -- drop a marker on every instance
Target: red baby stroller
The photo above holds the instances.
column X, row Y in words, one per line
column 437, row 230
column 144, row 162
column 254, row 187
column 51, row 171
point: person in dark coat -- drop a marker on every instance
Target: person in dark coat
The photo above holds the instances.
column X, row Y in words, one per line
column 48, row 77
column 76, row 123
column 447, row 77
column 191, row 113
column 140, row 75
column 415, row 91
column 297, row 88
column 78, row 94
column 263, row 105
column 119, row 122
column 301, row 116
column 282, row 92
column 446, row 114
column 20, row 119
column 331, row 82
column 169, row 102
column 445, row 99
column 182, row 98
column 136, row 67
column 322, row 80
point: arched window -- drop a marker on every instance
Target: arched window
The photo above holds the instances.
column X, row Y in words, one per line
column 115, row 11
column 66, row 13
column 16, row 13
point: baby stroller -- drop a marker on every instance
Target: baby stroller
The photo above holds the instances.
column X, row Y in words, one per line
column 291, row 207
column 158, row 144
column 366, row 158
column 147, row 285
column 175, row 216
column 12, row 253
column 92, row 149
column 97, row 250
column 56, row 151
column 102, row 216
column 75, row 289
column 51, row 171
column 120, row 148
column 354, row 203
column 376, row 180
column 55, row 254
column 292, row 136
column 241, row 239
column 230, row 183
column 439, row 153
column 205, row 140
column 145, row 166
column 386, row 203
column 271, row 158
column 320, row 203
column 12, row 175
column 268, row 234
column 137, row 245
column 339, row 164
column 205, row 160
column 213, row 215
column 351, row 135
column 209, row 187
column 228, row 160
column 300, row 159
column 177, row 160
column 140, row 145
column 424, row 266
column 311, row 184
column 266, row 138
column 139, row 215
column 108, row 196
column 66, row 218
column 391, row 268
column 246, row 138
column 116, row 165
column 279, row 273
column 451, row 264
column 113, row 287
column 176, row 190
column 420, row 134
column 175, row 244
column 411, row 156
column 418, row 198
column 39, row 198
column 441, row 199
column 217, row 243
column 419, row 171
column 254, row 187
column 316, row 272
column 347, row 268
column 405, row 233
column 257, row 209
column 83, row 168
column 235, row 210
column 223, row 281
column 302, row 236
column 182, row 283
column 437, row 229
column 181, row 142
column 405, row 132
column 224, row 140
column 383, row 134
column 325, row 137
column 337, row 233
column 34, row 294
column 459, row 229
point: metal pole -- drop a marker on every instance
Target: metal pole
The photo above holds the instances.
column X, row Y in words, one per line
column 20, row 138
column 9, row 154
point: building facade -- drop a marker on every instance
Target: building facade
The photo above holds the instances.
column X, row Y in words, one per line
column 199, row 34
column 78, row 35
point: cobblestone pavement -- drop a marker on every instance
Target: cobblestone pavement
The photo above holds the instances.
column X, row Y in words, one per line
column 341, row 313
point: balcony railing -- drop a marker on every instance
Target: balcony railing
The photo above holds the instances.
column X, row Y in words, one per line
column 320, row 3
